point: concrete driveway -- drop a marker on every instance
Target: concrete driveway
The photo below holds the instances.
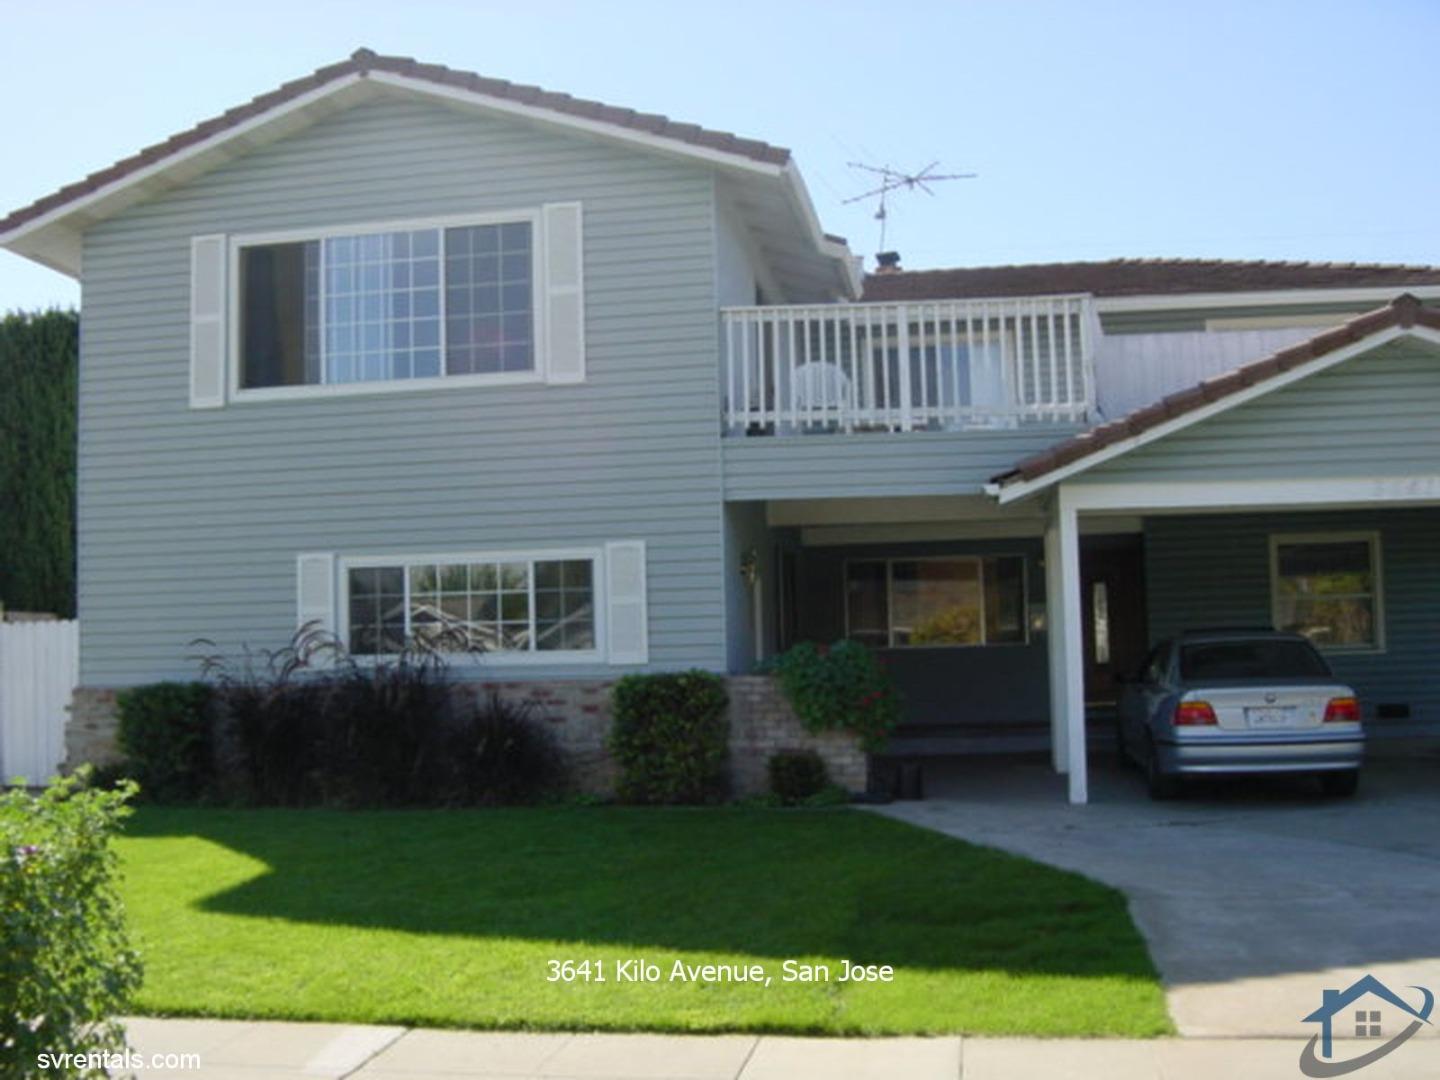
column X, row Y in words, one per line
column 1254, row 897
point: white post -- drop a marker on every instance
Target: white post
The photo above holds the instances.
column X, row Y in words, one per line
column 1055, row 639
column 1071, row 647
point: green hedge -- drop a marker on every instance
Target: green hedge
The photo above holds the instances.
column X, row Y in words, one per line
column 38, row 364
column 165, row 738
column 671, row 737
column 67, row 968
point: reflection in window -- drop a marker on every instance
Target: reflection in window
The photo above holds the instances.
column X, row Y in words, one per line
column 1328, row 590
column 511, row 606
column 367, row 308
column 930, row 602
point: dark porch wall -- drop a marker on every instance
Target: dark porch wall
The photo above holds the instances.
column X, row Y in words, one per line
column 973, row 686
column 1214, row 570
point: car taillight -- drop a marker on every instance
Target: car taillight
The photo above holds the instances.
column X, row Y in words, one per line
column 1342, row 710
column 1194, row 713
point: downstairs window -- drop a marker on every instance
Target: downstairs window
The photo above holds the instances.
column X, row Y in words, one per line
column 507, row 605
column 943, row 601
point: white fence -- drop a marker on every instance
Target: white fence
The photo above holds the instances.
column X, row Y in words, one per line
column 39, row 670
column 920, row 366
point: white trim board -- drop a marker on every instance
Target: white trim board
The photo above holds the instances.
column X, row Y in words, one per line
column 1013, row 492
column 1221, row 495
column 1378, row 294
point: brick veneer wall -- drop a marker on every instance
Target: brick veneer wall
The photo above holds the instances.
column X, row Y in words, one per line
column 578, row 715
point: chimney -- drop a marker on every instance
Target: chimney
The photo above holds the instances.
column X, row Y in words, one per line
column 887, row 262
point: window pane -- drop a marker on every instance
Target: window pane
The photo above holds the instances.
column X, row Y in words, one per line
column 1326, row 590
column 564, row 605
column 1005, row 600
column 382, row 297
column 377, row 610
column 279, row 315
column 489, row 299
column 935, row 602
column 865, row 603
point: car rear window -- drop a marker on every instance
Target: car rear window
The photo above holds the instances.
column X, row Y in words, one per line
column 1251, row 660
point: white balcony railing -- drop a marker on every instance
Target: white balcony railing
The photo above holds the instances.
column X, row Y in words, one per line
column 933, row 365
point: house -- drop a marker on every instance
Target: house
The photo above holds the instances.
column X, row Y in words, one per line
column 1367, row 1022
column 395, row 347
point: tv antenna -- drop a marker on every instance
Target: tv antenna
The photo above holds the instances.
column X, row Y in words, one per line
column 895, row 180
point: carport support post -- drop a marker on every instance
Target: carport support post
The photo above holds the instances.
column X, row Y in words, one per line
column 1067, row 670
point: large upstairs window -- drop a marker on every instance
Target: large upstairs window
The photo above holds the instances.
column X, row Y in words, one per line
column 372, row 307
column 404, row 305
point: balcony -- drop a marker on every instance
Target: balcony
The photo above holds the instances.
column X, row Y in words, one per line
column 947, row 365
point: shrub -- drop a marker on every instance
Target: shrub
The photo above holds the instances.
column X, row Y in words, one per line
column 165, row 738
column 841, row 687
column 378, row 731
column 66, row 965
column 290, row 732
column 671, row 737
column 797, row 775
column 499, row 754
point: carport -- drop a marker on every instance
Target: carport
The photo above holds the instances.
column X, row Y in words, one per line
column 1335, row 437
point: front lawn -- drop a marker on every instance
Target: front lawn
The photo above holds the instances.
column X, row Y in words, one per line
column 448, row 918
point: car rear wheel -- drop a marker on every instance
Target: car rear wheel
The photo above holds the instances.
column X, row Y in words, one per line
column 1160, row 785
column 1340, row 784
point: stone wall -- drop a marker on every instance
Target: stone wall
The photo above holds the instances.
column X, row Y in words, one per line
column 577, row 713
column 762, row 722
column 91, row 728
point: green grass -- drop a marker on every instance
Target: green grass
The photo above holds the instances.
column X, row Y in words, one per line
column 449, row 918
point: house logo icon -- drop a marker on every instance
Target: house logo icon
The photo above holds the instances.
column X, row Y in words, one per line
column 1356, row 1005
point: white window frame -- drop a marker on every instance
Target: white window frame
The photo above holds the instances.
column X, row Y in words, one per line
column 530, row 658
column 538, row 275
column 1372, row 538
column 890, row 560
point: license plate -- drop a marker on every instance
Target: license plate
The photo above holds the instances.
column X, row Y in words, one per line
column 1280, row 716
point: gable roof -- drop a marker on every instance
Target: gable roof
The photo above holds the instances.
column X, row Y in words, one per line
column 67, row 211
column 1335, row 1000
column 1141, row 277
column 1073, row 455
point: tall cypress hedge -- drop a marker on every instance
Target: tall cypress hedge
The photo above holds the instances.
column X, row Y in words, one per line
column 39, row 360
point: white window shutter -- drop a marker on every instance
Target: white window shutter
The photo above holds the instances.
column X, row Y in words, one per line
column 315, row 592
column 564, row 293
column 627, row 627
column 207, row 322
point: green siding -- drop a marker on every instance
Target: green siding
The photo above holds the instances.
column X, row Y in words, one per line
column 1371, row 415
column 1214, row 570
column 190, row 520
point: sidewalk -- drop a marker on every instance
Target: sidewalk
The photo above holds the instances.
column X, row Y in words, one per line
column 254, row 1050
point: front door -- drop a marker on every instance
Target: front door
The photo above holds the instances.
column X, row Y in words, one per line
column 1112, row 600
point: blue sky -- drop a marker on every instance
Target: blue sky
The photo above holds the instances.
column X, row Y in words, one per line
column 1098, row 130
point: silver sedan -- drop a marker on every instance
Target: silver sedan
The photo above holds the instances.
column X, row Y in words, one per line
column 1239, row 701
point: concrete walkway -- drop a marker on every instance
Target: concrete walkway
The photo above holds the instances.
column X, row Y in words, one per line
column 1253, row 897
column 240, row 1050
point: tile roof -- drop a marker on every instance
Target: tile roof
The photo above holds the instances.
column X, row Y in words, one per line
column 362, row 62
column 1404, row 311
column 1140, row 277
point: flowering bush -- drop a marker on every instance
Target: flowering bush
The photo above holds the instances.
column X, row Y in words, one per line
column 839, row 687
column 66, row 965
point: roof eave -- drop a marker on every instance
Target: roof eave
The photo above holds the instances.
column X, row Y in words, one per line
column 53, row 237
